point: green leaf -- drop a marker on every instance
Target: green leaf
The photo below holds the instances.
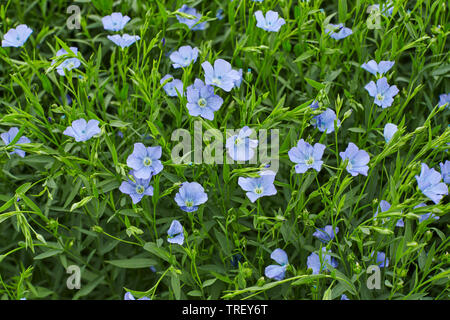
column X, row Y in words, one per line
column 47, row 254
column 134, row 263
column 315, row 84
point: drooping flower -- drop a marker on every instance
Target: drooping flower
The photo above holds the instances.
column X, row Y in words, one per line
column 219, row 14
column 237, row 83
column 191, row 23
column 445, row 171
column 271, row 22
column 274, row 271
column 9, row 136
column 235, row 260
column 430, row 184
column 385, row 9
column 136, row 189
column 382, row 260
column 145, row 161
column 173, row 86
column 258, row 187
column 202, row 101
column 324, row 122
column 222, row 75
column 82, row 130
column 377, row 69
column 190, row 196
column 427, row 215
column 67, row 64
column 344, row 297
column 444, row 99
column 16, row 37
column 338, row 31
column 389, row 130
column 326, row 234
column 129, row 296
column 306, row 156
column 357, row 160
column 382, row 92
column 240, row 146
column 184, row 56
column 175, row 233
column 319, row 263
column 385, row 206
column 124, row 40
column 115, row 22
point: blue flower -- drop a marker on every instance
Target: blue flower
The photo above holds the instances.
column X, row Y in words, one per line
column 82, row 130
column 326, row 234
column 175, row 233
column 124, row 40
column 240, row 146
column 129, row 296
column 115, row 22
column 385, row 206
column 202, row 101
column 320, row 263
column 430, row 184
column 274, row 271
column 67, row 64
column 389, row 130
column 307, row 156
column 184, row 56
column 344, row 297
column 190, row 196
column 444, row 99
column 219, row 14
column 138, row 189
column 377, row 69
column 9, row 136
column 338, row 31
column 258, row 187
column 445, row 171
column 191, row 23
column 16, row 37
column 271, row 22
column 314, row 105
column 383, row 93
column 426, row 216
column 222, row 75
column 357, row 160
column 325, row 121
column 382, row 261
column 145, row 161
column 174, row 87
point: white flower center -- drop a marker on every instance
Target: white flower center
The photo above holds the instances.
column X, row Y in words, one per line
column 140, row 189
column 259, row 190
column 147, row 161
column 201, row 102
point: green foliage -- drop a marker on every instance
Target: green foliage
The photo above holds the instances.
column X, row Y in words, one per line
column 60, row 205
